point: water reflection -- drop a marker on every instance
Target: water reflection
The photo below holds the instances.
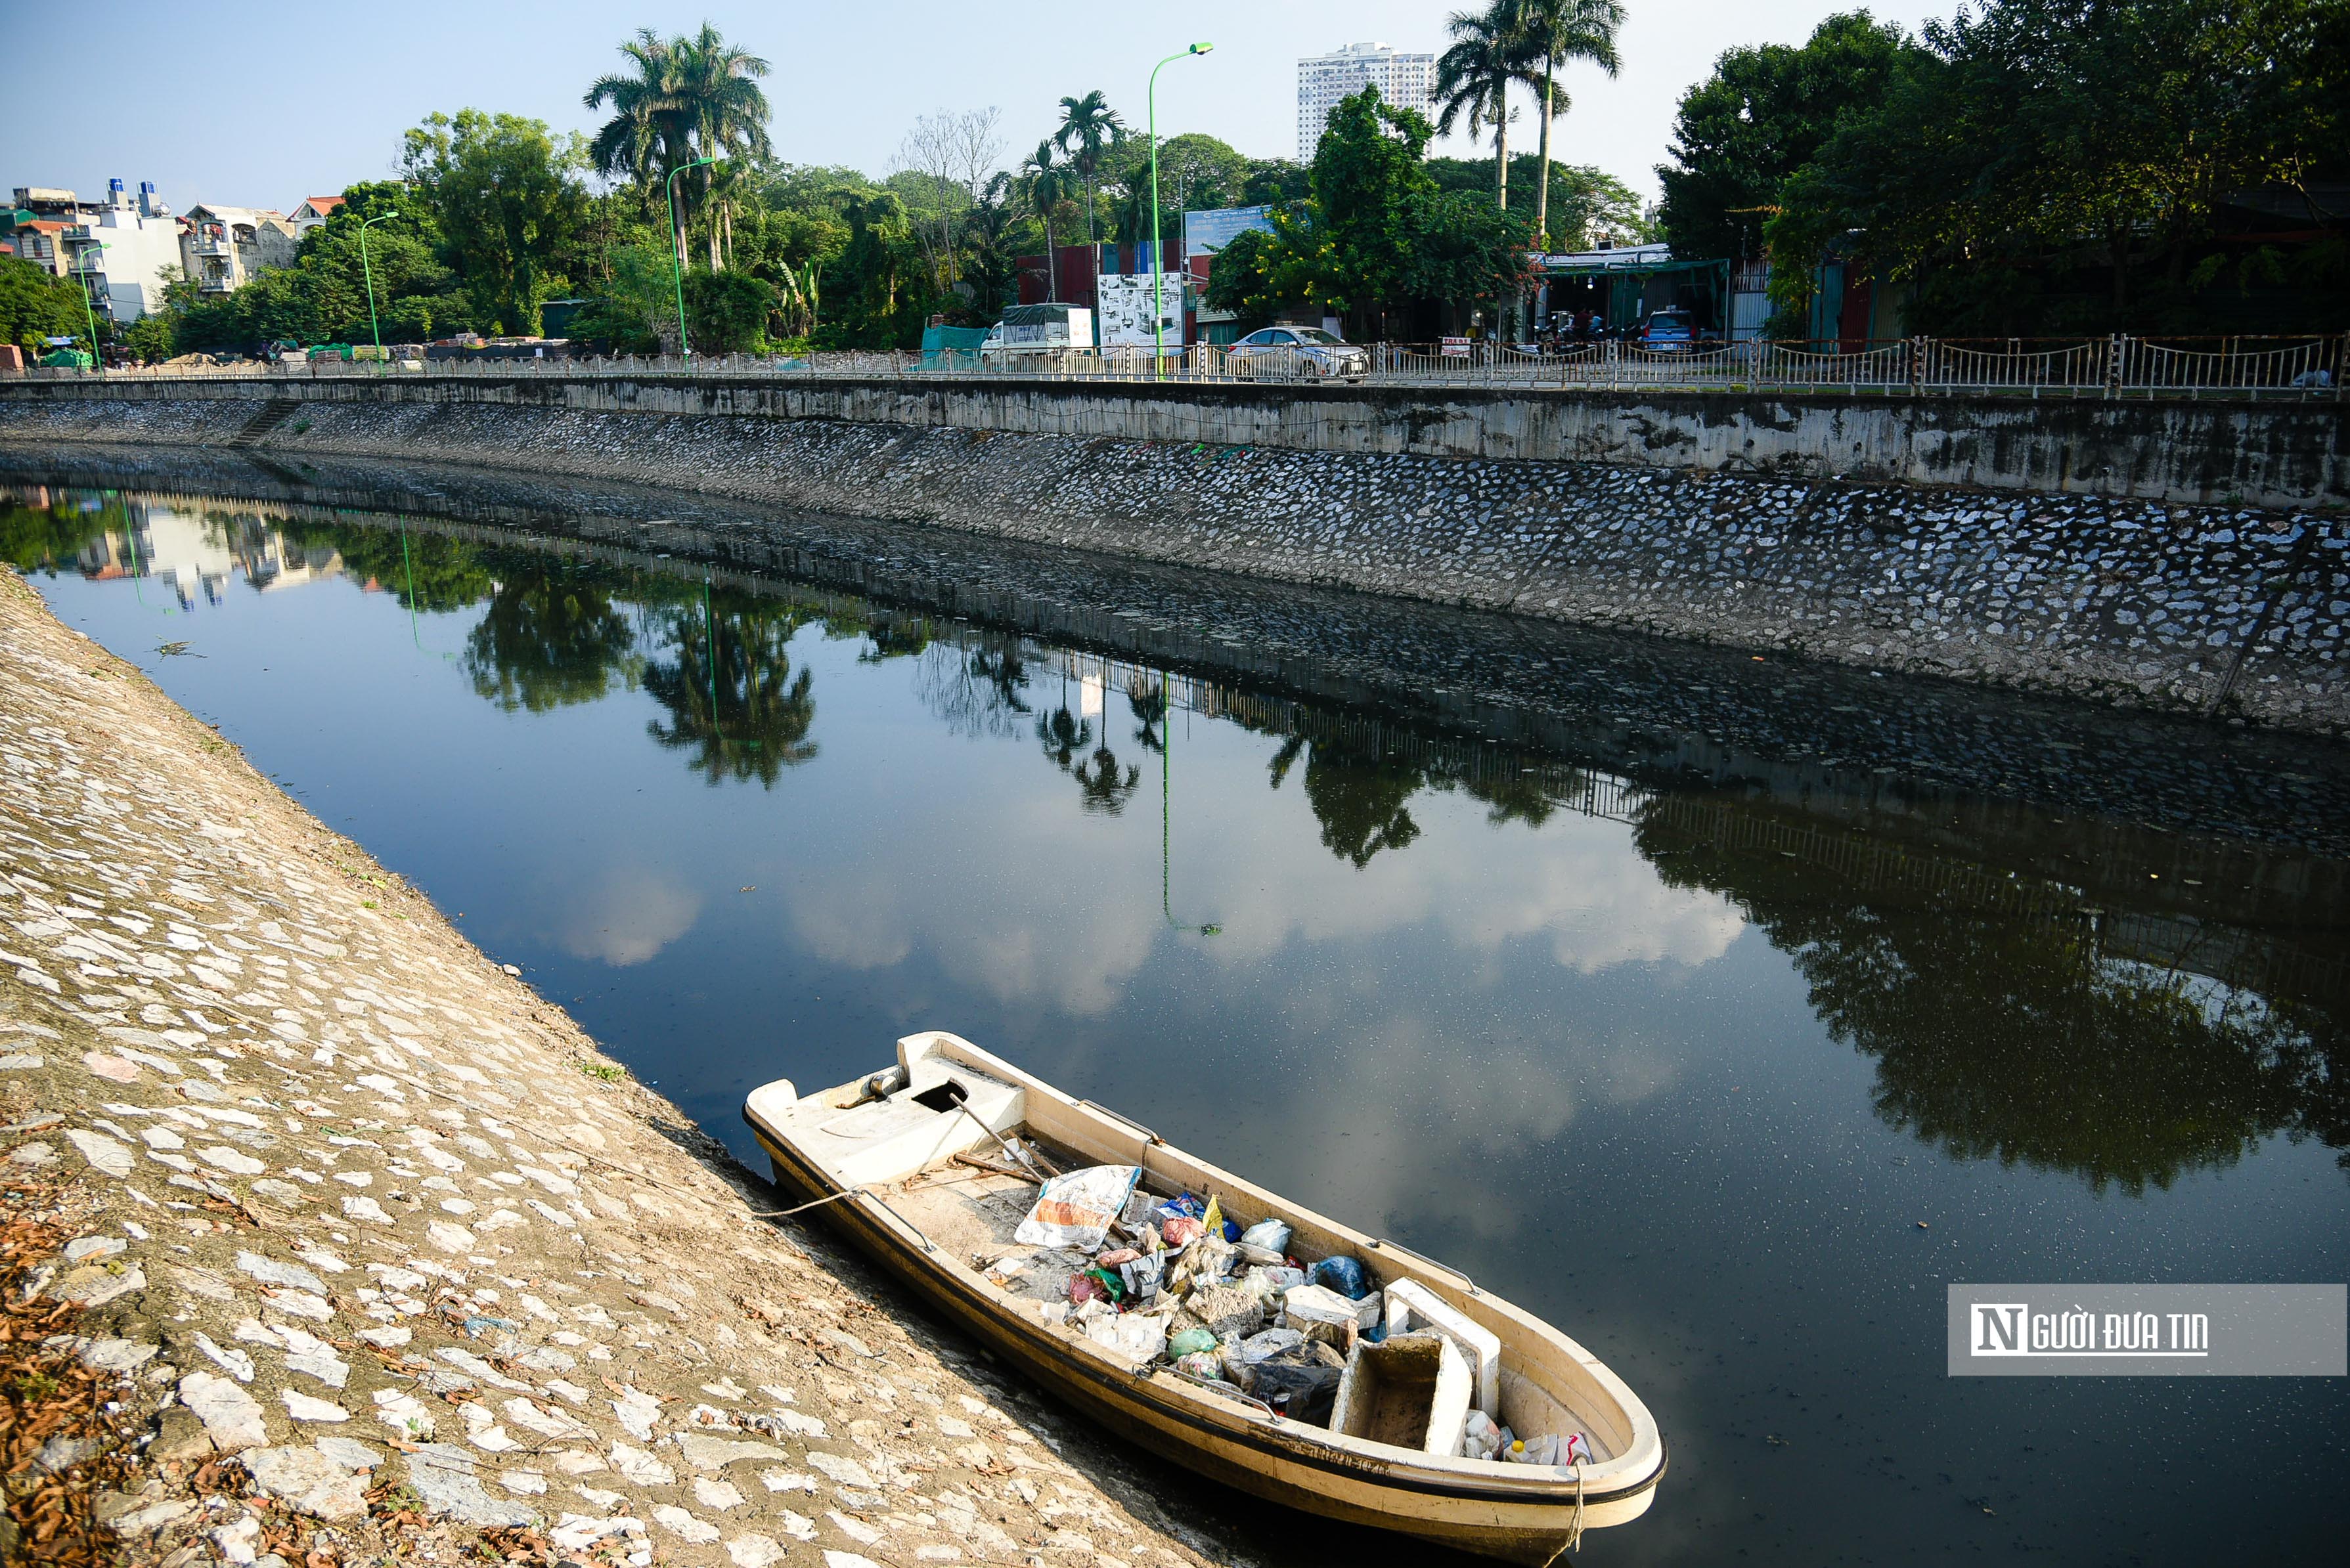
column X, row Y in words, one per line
column 2031, row 1032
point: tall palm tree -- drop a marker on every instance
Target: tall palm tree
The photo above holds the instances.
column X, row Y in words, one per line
column 1555, row 32
column 684, row 99
column 720, row 94
column 1047, row 182
column 1089, row 129
column 1474, row 78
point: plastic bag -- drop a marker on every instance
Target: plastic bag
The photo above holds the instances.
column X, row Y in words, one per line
column 1344, row 1275
column 1184, row 1208
column 1140, row 1335
column 1189, row 1341
column 1301, row 1382
column 1075, row 1211
column 1085, row 1287
column 1141, row 1274
column 1202, row 1364
column 1479, row 1439
column 1212, row 1221
column 1180, row 1232
column 1270, row 1234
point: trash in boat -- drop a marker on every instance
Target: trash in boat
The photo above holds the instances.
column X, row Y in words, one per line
column 1344, row 1275
column 1178, row 1232
column 1142, row 1335
column 1271, row 1235
column 1326, row 1316
column 1191, row 1341
column 1413, row 1308
column 1183, row 1207
column 1271, row 1283
column 1223, row 1310
column 1141, row 1275
column 1087, row 1286
column 1542, row 1450
column 1411, row 1392
column 1479, row 1439
column 1300, row 1382
column 1212, row 1221
column 1076, row 1209
column 1205, row 1365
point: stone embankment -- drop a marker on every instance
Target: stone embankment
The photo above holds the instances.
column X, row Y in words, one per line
column 336, row 1241
column 2196, row 608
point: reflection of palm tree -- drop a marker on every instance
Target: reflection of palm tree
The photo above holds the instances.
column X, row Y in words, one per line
column 547, row 640
column 1149, row 705
column 1358, row 797
column 1063, row 735
column 1103, row 787
column 736, row 704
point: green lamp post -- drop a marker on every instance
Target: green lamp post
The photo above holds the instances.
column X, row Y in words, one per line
column 1158, row 255
column 677, row 253
column 96, row 361
column 368, row 271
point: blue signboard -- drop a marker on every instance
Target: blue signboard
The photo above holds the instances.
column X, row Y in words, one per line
column 1204, row 233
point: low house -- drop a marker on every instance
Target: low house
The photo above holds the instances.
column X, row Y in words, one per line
column 226, row 247
column 314, row 211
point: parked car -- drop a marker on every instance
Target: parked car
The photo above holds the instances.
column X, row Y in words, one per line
column 1671, row 331
column 1298, row 351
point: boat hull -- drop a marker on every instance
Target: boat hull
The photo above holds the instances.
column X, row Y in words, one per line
column 1291, row 1470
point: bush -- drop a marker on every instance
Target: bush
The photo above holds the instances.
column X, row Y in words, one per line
column 727, row 312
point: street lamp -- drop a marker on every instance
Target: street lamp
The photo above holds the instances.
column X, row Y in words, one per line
column 1158, row 256
column 677, row 251
column 96, row 362
column 370, row 273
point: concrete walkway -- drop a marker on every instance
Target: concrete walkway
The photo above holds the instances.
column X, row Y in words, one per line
column 375, row 1245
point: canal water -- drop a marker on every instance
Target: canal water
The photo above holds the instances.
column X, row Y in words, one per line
column 1729, row 1077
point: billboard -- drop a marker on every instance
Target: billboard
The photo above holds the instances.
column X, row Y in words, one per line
column 1124, row 301
column 1204, row 233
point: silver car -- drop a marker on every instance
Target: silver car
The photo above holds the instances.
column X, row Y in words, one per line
column 1298, row 351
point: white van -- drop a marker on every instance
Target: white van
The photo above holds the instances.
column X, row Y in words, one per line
column 1039, row 330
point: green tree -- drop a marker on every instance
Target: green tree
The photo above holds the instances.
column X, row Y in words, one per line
column 728, row 311
column 732, row 697
column 681, row 99
column 508, row 204
column 1045, row 184
column 1584, row 202
column 1356, row 794
column 35, row 303
column 1553, row 33
column 1764, row 113
column 1089, row 131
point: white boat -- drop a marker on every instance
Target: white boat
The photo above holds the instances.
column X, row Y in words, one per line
column 884, row 1151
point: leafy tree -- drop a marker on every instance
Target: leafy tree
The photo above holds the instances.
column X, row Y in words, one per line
column 508, row 204
column 35, row 303
column 1196, row 172
column 1552, row 34
column 728, row 312
column 1585, row 202
column 681, row 99
column 2035, row 149
column 1275, row 182
column 1357, row 793
column 36, row 538
column 1764, row 113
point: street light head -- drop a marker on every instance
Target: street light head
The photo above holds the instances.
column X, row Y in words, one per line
column 1201, row 48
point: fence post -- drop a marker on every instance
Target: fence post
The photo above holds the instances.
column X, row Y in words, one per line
column 2114, row 366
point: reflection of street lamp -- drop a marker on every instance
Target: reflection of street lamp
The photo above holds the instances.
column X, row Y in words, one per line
column 1158, row 256
column 677, row 251
column 370, row 273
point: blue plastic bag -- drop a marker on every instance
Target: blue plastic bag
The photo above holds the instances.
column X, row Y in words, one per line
column 1344, row 1275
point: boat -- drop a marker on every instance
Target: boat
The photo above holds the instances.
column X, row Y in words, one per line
column 927, row 1168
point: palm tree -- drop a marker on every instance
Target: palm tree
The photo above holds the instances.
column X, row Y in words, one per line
column 1090, row 128
column 1555, row 32
column 1474, row 78
column 1046, row 183
column 720, row 99
column 685, row 98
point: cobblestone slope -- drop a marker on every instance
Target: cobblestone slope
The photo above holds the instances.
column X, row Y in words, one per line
column 373, row 1249
column 2182, row 607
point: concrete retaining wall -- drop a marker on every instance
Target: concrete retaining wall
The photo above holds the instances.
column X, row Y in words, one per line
column 2286, row 453
column 2195, row 608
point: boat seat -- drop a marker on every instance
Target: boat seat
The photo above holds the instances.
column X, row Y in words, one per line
column 917, row 1124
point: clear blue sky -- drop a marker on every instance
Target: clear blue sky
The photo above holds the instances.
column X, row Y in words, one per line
column 262, row 102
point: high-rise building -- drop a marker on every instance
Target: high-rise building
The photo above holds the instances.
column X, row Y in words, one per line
column 1404, row 81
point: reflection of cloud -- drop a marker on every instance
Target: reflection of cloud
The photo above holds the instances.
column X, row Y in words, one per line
column 1064, row 920
column 630, row 913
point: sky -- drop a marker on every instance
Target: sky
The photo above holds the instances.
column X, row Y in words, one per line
column 263, row 102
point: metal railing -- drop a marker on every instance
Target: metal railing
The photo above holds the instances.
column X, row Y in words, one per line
column 2112, row 366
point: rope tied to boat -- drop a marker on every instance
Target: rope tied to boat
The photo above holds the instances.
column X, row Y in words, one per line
column 802, row 1208
column 1574, row 1541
